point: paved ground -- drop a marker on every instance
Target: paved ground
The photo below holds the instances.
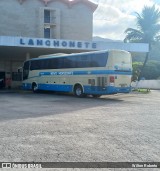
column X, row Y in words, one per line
column 51, row 127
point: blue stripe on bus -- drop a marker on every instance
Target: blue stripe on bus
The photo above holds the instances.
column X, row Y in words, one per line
column 105, row 90
column 93, row 72
column 87, row 89
column 55, row 87
column 97, row 72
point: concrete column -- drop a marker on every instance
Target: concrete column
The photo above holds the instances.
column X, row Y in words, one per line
column 27, row 56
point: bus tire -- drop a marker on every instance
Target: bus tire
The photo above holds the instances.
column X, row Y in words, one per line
column 96, row 95
column 34, row 87
column 78, row 91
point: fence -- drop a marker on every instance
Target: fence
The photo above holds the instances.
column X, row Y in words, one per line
column 149, row 84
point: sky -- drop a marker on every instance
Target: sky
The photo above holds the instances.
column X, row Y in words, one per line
column 113, row 17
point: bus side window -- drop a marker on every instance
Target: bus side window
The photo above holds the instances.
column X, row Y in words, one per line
column 59, row 63
column 100, row 60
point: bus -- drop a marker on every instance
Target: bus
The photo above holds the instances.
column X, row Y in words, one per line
column 93, row 73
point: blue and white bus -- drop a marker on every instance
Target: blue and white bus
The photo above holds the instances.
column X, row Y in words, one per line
column 90, row 73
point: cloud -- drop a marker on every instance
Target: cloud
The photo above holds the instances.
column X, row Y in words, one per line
column 113, row 17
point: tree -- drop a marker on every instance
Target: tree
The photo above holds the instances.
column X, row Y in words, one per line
column 148, row 29
column 151, row 71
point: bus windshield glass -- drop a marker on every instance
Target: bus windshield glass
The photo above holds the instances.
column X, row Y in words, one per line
column 121, row 61
column 25, row 70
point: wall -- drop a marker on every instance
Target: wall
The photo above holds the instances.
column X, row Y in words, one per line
column 25, row 19
column 150, row 84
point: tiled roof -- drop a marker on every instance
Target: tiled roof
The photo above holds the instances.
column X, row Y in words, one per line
column 70, row 3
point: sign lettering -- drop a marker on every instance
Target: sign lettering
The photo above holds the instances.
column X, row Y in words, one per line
column 68, row 44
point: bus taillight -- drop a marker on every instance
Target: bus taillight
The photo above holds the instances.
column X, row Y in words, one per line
column 111, row 79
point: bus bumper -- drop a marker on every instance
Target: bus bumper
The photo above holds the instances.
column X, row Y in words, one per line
column 106, row 90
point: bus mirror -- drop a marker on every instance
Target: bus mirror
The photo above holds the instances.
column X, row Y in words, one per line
column 19, row 70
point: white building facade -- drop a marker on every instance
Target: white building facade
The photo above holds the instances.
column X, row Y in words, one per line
column 30, row 28
column 55, row 19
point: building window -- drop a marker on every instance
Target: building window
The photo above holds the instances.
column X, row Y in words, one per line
column 47, row 16
column 49, row 23
column 47, row 32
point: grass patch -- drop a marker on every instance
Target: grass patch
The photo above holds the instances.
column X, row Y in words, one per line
column 142, row 90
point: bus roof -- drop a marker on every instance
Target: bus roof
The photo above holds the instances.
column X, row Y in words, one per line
column 52, row 55
column 72, row 54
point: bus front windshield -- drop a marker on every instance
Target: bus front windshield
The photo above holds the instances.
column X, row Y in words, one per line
column 25, row 70
column 122, row 61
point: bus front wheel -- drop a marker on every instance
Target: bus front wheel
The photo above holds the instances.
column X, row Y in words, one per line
column 34, row 87
column 78, row 91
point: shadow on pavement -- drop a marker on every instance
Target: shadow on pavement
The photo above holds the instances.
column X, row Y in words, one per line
column 18, row 104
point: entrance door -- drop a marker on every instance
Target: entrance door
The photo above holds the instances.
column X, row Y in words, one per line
column 2, row 79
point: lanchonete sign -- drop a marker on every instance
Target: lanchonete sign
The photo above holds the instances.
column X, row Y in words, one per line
column 71, row 44
column 58, row 43
column 47, row 43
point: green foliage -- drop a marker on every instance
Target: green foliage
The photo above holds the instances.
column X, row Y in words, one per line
column 148, row 31
column 142, row 90
column 136, row 70
column 151, row 70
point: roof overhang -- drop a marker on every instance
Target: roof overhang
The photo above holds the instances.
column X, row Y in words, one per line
column 78, row 45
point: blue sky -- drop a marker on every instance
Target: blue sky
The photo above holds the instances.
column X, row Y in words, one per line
column 113, row 17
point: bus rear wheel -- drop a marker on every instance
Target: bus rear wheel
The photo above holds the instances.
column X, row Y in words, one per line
column 34, row 87
column 78, row 91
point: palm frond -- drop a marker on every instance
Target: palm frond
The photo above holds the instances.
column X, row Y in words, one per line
column 148, row 26
column 149, row 17
column 157, row 38
column 133, row 35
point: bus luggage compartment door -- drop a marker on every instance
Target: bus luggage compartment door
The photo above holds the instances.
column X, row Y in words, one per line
column 101, row 83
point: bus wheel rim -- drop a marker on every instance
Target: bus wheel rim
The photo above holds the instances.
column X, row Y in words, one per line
column 35, row 87
column 78, row 91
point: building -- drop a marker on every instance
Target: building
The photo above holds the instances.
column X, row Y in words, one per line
column 55, row 19
column 30, row 28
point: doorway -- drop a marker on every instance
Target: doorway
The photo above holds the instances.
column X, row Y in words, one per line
column 2, row 79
